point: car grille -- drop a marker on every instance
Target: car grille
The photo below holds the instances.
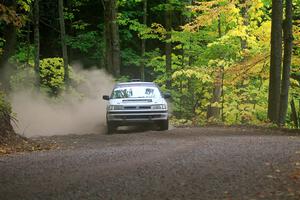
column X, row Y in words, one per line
column 137, row 100
column 136, row 107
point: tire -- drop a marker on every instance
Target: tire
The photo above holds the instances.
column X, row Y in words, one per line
column 111, row 128
column 163, row 125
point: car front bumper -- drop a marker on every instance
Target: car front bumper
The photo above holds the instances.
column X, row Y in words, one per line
column 137, row 116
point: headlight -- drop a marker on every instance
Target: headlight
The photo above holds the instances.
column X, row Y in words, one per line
column 115, row 107
column 159, row 107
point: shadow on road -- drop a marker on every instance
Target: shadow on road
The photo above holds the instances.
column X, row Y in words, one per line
column 135, row 129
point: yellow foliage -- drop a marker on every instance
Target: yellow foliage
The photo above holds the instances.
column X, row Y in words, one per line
column 247, row 68
column 196, row 73
column 10, row 16
column 296, row 60
column 296, row 34
column 210, row 11
column 159, row 30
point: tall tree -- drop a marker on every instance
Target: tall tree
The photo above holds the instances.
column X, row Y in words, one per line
column 287, row 59
column 9, row 36
column 112, row 38
column 168, row 46
column 63, row 41
column 144, row 41
column 37, row 42
column 244, row 4
column 276, row 58
column 213, row 111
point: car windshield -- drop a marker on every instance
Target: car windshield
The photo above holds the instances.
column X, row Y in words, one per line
column 135, row 92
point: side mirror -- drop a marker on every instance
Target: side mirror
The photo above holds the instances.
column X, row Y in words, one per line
column 105, row 97
column 167, row 95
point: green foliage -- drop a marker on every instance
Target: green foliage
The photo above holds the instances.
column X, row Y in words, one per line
column 2, row 42
column 89, row 44
column 52, row 75
column 181, row 122
column 25, row 4
column 24, row 53
column 84, row 42
column 171, row 5
column 123, row 79
column 199, row 51
column 129, row 57
column 23, row 78
column 206, row 37
column 246, row 103
column 192, row 93
column 5, row 107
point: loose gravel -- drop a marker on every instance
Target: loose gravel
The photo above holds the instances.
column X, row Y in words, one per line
column 184, row 163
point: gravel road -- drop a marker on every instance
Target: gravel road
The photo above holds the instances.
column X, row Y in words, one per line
column 184, row 163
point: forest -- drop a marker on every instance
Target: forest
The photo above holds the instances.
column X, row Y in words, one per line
column 223, row 61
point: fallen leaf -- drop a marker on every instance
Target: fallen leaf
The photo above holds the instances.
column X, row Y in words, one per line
column 3, row 151
column 295, row 175
column 270, row 176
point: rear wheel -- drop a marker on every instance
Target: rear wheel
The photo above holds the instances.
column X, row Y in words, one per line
column 163, row 125
column 111, row 128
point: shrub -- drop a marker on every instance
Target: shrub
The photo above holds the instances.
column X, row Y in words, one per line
column 5, row 116
column 52, row 75
column 4, row 105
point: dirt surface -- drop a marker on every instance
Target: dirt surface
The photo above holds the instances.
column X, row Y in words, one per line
column 190, row 163
column 14, row 143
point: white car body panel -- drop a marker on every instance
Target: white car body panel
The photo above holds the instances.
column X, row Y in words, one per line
column 135, row 110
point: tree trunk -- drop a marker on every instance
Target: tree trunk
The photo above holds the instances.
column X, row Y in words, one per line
column 294, row 114
column 63, row 41
column 108, row 37
column 144, row 42
column 37, row 42
column 190, row 19
column 116, row 39
column 244, row 12
column 112, row 40
column 28, row 43
column 213, row 111
column 276, row 58
column 219, row 27
column 10, row 37
column 287, row 59
column 168, row 50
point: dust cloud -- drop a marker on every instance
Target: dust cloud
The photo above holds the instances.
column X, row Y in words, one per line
column 37, row 116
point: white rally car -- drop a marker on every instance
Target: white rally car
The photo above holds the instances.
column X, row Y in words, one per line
column 133, row 103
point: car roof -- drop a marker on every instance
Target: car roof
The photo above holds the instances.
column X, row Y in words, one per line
column 135, row 84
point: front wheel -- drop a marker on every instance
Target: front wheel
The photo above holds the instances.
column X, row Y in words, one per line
column 163, row 125
column 111, row 128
